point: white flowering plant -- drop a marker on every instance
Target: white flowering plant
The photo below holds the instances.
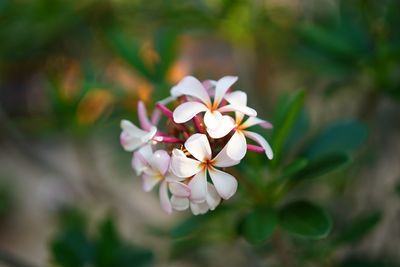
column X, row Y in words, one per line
column 206, row 131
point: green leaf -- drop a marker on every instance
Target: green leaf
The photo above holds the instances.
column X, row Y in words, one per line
column 359, row 228
column 259, row 225
column 166, row 46
column 286, row 114
column 295, row 167
column 305, row 219
column 341, row 136
column 321, row 166
column 129, row 50
column 189, row 226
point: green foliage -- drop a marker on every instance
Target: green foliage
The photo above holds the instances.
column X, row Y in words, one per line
column 288, row 109
column 6, row 198
column 305, row 219
column 338, row 137
column 358, row 228
column 75, row 246
column 259, row 225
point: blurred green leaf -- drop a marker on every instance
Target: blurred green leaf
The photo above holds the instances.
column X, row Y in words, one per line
column 295, row 167
column 259, row 225
column 189, row 225
column 129, row 50
column 359, row 228
column 166, row 46
column 285, row 116
column 305, row 219
column 321, row 166
column 6, row 198
column 397, row 189
column 340, row 136
column 364, row 262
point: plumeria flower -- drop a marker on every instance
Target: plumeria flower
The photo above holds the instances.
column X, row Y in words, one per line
column 202, row 164
column 237, row 145
column 133, row 137
column 211, row 202
column 192, row 87
column 154, row 168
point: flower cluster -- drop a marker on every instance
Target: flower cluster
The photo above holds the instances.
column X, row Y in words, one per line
column 204, row 133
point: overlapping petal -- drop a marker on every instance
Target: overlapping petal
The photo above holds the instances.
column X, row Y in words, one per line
column 222, row 87
column 199, row 147
column 179, row 203
column 198, row 187
column 225, row 184
column 261, row 141
column 187, row 111
column 225, row 126
column 237, row 146
column 164, row 198
column 183, row 166
column 192, row 87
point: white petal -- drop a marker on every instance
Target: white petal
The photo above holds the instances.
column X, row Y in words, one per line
column 212, row 119
column 225, row 184
column 213, row 199
column 171, row 177
column 132, row 137
column 160, row 161
column 243, row 109
column 238, row 98
column 179, row 203
column 236, row 147
column 187, row 111
column 223, row 160
column 198, row 187
column 199, row 147
column 182, row 166
column 149, row 181
column 164, row 198
column 139, row 164
column 222, row 87
column 192, row 87
column 251, row 121
column 261, row 141
column 199, row 208
column 224, row 127
column 179, row 189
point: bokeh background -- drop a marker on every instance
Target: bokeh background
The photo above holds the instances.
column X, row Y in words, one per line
column 71, row 70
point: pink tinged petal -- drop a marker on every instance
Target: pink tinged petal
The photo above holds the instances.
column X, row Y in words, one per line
column 199, row 147
column 225, row 184
column 256, row 149
column 192, row 87
column 187, row 111
column 182, row 166
column 213, row 199
column 155, row 117
column 143, row 118
column 223, row 160
column 160, row 161
column 179, row 189
column 199, row 208
column 237, row 108
column 164, row 198
column 222, row 87
column 170, row 177
column 139, row 164
column 261, row 141
column 180, row 203
column 149, row 181
column 236, row 147
column 198, row 187
column 251, row 121
column 212, row 119
column 209, row 85
column 132, row 137
column 224, row 127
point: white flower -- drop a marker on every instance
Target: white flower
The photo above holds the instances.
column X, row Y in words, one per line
column 182, row 166
column 155, row 170
column 237, row 145
column 132, row 137
column 190, row 86
column 211, row 202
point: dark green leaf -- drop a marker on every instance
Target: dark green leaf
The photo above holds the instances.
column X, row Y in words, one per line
column 321, row 166
column 287, row 112
column 341, row 136
column 305, row 219
column 359, row 227
column 294, row 167
column 259, row 225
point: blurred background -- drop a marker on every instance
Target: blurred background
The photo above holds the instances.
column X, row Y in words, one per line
column 326, row 73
